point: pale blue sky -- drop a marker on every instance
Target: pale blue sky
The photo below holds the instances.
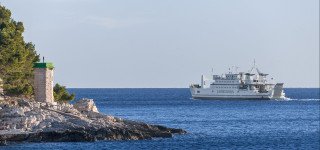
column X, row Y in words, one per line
column 170, row 43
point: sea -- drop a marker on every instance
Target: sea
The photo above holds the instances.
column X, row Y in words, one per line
column 211, row 124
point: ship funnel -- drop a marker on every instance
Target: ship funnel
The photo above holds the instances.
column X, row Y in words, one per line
column 202, row 81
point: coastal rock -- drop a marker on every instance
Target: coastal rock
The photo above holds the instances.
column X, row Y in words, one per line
column 86, row 105
column 34, row 122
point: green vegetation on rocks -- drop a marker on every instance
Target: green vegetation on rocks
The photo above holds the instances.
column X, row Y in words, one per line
column 61, row 94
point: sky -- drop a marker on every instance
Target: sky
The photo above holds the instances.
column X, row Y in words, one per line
column 171, row 43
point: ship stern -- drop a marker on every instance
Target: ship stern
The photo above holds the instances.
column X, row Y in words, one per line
column 278, row 91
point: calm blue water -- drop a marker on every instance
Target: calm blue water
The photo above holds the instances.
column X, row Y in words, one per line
column 291, row 124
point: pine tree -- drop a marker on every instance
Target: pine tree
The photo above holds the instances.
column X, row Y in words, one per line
column 61, row 94
column 16, row 56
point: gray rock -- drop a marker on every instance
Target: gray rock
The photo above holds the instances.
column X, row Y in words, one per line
column 34, row 122
column 86, row 105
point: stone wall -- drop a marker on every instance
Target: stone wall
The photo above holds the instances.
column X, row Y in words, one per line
column 43, row 85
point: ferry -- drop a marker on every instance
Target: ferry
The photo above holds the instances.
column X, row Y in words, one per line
column 239, row 85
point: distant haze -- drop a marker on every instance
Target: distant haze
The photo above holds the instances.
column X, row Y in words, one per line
column 170, row 43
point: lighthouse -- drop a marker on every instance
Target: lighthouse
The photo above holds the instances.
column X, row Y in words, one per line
column 43, row 82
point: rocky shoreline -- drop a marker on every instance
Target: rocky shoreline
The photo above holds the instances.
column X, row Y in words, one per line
column 29, row 121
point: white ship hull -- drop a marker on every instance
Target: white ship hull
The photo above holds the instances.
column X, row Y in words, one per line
column 231, row 97
column 198, row 93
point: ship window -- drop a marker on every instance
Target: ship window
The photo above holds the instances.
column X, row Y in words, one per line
column 198, row 91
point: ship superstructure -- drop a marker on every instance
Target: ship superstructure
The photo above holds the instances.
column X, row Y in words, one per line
column 241, row 85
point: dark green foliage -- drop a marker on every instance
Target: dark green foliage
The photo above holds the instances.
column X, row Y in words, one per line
column 61, row 94
column 16, row 56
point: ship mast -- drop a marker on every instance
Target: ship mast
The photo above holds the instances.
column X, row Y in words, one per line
column 254, row 65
